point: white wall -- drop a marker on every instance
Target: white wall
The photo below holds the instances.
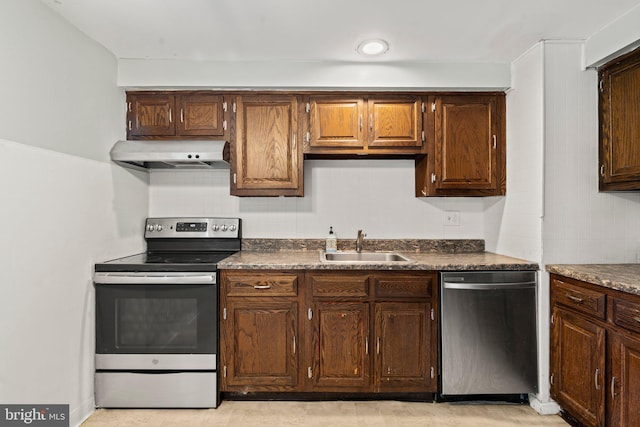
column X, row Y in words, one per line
column 581, row 225
column 64, row 207
column 374, row 195
column 618, row 37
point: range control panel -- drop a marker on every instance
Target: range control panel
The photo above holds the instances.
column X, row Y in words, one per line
column 192, row 228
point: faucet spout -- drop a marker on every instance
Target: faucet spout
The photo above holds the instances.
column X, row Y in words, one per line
column 359, row 241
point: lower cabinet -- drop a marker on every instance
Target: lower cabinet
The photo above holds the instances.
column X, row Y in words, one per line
column 595, row 353
column 328, row 331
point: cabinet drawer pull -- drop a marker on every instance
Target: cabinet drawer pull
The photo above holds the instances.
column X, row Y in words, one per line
column 596, row 376
column 261, row 286
column 575, row 299
column 613, row 387
column 636, row 318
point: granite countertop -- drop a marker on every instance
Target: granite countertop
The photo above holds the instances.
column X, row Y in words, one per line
column 621, row 277
column 310, row 260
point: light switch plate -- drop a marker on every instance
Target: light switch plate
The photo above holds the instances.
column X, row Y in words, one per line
column 452, row 218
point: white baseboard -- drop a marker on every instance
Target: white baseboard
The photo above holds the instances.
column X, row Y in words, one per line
column 82, row 412
column 543, row 408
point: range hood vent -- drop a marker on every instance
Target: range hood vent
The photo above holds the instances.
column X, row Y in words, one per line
column 184, row 154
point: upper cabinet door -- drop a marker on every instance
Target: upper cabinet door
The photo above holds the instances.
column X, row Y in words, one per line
column 268, row 159
column 395, row 122
column 150, row 115
column 467, row 157
column 619, row 130
column 336, row 122
column 201, row 115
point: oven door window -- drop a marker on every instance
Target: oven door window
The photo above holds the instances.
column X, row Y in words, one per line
column 157, row 319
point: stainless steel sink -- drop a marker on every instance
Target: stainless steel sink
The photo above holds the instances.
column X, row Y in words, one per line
column 362, row 257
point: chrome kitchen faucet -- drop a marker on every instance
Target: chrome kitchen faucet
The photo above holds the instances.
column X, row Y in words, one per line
column 359, row 241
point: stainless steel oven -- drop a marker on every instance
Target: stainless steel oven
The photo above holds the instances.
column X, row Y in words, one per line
column 157, row 316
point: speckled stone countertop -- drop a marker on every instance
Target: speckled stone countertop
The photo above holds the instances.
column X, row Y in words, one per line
column 621, row 277
column 423, row 254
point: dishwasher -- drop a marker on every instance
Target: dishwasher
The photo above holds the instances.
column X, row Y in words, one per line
column 488, row 333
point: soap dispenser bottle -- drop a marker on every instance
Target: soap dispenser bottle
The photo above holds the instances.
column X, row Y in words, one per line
column 332, row 241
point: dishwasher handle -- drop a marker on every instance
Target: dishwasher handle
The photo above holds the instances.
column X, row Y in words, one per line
column 489, row 286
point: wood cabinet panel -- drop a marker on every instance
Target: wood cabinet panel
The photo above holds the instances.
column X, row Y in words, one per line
column 467, row 157
column 260, row 344
column 151, row 115
column 619, row 133
column 340, row 345
column 336, row 122
column 578, row 366
column 268, row 160
column 403, row 347
column 395, row 123
column 201, row 115
column 624, row 385
column 626, row 314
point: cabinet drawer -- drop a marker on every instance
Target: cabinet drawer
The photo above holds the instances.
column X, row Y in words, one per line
column 252, row 285
column 403, row 287
column 584, row 300
column 626, row 314
column 340, row 286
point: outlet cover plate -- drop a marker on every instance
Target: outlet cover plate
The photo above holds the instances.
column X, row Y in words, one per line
column 452, row 218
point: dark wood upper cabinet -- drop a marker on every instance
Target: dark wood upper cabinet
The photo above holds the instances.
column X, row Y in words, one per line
column 266, row 159
column 175, row 115
column 351, row 125
column 467, row 157
column 619, row 111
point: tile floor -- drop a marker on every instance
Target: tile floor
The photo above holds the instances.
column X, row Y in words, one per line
column 328, row 413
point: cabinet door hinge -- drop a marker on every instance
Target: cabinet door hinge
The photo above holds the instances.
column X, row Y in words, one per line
column 129, row 124
column 433, row 107
column 128, row 107
column 423, row 107
column 551, row 379
column 224, row 370
column 601, row 166
column 224, row 125
column 552, row 319
column 433, row 178
column 181, row 115
column 234, row 107
column 235, row 178
column 310, row 313
column 433, row 372
column 495, row 144
column 307, row 107
column 308, row 137
column 309, row 372
column 224, row 106
column 224, row 313
column 601, row 84
column 433, row 314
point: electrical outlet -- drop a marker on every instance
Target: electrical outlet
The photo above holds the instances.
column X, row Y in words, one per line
column 452, row 218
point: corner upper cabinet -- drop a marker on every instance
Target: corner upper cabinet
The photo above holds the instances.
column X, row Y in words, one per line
column 619, row 110
column 354, row 125
column 173, row 115
column 266, row 157
column 467, row 157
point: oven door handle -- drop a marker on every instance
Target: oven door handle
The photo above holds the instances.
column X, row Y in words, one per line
column 152, row 279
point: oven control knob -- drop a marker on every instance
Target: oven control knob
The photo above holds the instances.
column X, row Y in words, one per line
column 215, row 227
column 224, row 227
column 158, row 227
column 150, row 227
column 232, row 227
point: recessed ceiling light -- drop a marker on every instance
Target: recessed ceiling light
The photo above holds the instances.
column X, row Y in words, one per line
column 373, row 47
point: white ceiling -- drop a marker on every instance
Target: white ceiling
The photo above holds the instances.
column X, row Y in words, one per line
column 330, row 30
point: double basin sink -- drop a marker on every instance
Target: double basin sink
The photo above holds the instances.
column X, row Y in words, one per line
column 351, row 257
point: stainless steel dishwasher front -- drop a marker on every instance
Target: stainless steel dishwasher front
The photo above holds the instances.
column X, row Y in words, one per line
column 488, row 333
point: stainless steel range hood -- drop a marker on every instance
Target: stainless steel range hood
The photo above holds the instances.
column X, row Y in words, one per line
column 174, row 154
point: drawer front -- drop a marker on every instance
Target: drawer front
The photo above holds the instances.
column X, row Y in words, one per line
column 258, row 285
column 626, row 314
column 340, row 286
column 584, row 300
column 404, row 287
